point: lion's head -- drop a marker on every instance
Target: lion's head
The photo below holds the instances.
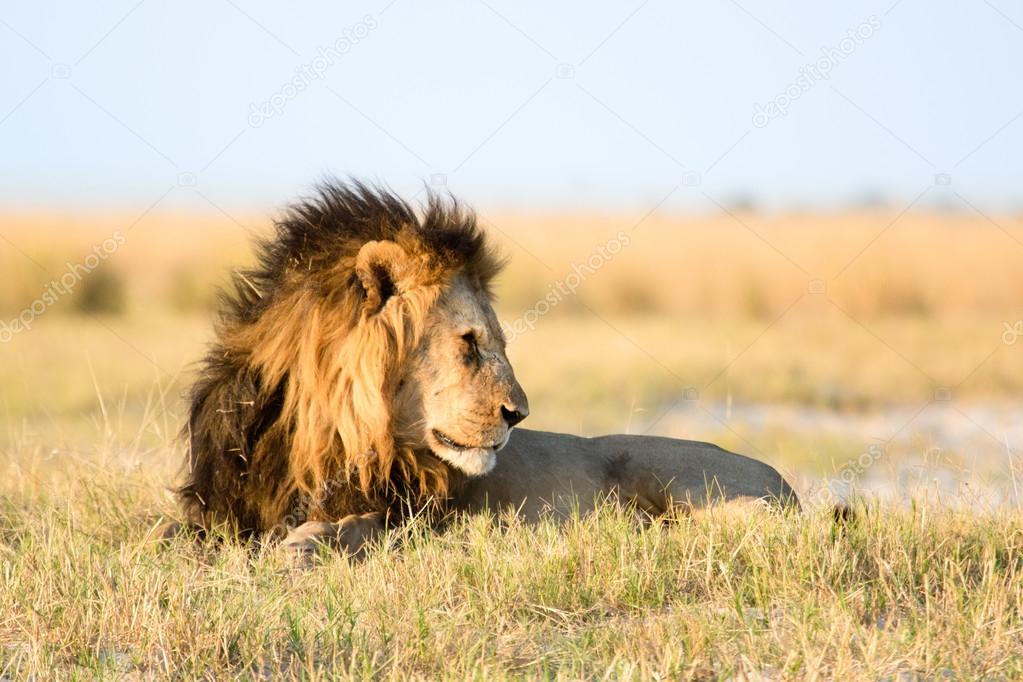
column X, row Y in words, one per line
column 364, row 349
column 456, row 394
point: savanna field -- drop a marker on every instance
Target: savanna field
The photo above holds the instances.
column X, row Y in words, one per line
column 869, row 356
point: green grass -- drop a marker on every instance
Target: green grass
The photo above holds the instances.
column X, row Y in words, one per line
column 87, row 592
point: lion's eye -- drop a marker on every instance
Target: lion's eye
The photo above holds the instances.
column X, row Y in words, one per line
column 472, row 348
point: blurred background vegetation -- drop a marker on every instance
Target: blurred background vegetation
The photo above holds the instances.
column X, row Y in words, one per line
column 751, row 329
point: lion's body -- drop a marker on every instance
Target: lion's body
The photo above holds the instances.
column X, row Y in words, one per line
column 359, row 373
column 540, row 473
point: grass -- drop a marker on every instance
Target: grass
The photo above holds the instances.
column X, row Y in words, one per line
column 729, row 266
column 724, row 305
column 87, row 592
column 843, row 311
column 811, row 358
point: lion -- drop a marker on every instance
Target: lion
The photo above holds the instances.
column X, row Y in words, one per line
column 359, row 375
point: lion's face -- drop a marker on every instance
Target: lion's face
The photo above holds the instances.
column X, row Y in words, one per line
column 459, row 396
column 454, row 391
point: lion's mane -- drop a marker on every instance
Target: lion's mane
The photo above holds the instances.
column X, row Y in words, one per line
column 291, row 414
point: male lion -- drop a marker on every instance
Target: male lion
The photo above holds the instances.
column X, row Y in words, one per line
column 359, row 374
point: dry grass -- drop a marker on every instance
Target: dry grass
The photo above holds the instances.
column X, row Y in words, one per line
column 872, row 264
column 91, row 404
column 696, row 302
column 85, row 591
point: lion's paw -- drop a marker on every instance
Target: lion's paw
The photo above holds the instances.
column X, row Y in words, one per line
column 351, row 535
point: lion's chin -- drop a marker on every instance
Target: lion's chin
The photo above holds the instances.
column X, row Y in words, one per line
column 470, row 461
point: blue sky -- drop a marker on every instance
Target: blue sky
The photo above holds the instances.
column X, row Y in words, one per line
column 524, row 104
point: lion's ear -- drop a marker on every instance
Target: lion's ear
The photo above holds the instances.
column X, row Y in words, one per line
column 385, row 270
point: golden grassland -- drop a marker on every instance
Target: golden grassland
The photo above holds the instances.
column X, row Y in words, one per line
column 86, row 591
column 838, row 310
column 735, row 265
column 852, row 313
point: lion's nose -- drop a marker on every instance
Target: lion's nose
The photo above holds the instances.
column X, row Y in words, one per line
column 513, row 416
